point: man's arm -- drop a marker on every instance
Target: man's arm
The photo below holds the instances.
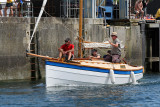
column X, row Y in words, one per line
column 136, row 6
column 95, row 58
column 140, row 6
column 61, row 50
column 70, row 50
column 98, row 56
column 115, row 45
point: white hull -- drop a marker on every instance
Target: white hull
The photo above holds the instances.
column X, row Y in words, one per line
column 61, row 76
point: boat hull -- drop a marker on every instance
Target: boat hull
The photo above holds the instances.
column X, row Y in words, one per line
column 58, row 74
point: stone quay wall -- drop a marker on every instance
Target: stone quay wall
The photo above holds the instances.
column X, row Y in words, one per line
column 51, row 33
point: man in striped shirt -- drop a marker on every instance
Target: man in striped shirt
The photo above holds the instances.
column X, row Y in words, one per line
column 9, row 4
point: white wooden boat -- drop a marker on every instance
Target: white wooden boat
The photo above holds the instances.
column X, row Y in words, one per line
column 81, row 72
column 87, row 72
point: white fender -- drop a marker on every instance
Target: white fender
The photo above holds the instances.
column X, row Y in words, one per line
column 112, row 77
column 133, row 78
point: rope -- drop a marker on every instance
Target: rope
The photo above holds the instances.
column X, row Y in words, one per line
column 36, row 25
column 65, row 25
column 77, row 37
column 101, row 3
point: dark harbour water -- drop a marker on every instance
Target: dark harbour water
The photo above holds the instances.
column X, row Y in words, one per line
column 28, row 94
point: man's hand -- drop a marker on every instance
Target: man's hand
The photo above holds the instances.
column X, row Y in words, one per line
column 90, row 57
column 110, row 42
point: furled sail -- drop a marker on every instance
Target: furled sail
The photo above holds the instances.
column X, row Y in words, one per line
column 89, row 45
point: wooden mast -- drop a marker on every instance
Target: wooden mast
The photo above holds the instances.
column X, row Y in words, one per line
column 80, row 28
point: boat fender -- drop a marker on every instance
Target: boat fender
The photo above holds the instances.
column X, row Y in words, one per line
column 133, row 78
column 112, row 77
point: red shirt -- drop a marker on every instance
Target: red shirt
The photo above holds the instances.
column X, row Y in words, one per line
column 66, row 48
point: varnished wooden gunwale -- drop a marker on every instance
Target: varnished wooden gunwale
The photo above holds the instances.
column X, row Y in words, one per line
column 79, row 63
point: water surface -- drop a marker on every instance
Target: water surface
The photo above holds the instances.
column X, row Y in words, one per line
column 27, row 93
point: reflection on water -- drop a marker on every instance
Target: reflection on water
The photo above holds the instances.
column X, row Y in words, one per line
column 27, row 93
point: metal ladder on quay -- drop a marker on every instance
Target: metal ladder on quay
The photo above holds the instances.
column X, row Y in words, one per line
column 34, row 62
column 32, row 50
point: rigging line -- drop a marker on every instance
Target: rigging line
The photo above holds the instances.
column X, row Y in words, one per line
column 101, row 3
column 36, row 25
column 67, row 27
column 102, row 50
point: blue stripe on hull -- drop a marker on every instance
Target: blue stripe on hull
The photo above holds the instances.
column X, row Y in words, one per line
column 90, row 68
